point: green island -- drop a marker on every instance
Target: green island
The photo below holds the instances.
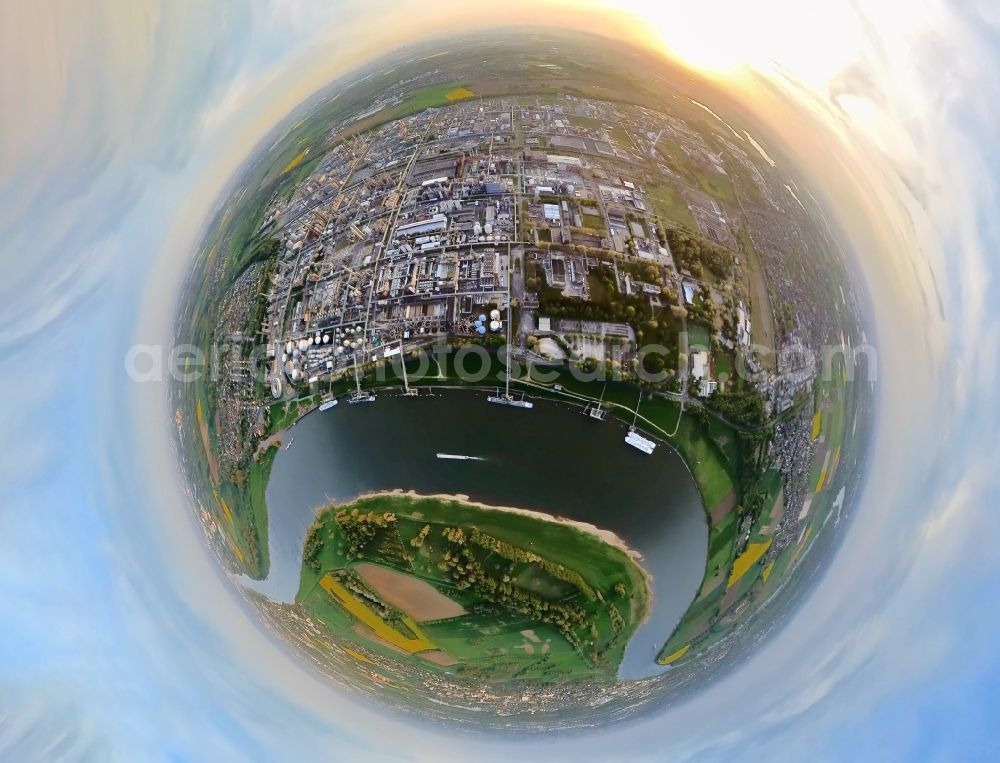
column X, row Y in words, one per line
column 481, row 591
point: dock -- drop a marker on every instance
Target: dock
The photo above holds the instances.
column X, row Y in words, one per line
column 506, row 398
column 639, row 442
column 511, row 401
column 635, row 439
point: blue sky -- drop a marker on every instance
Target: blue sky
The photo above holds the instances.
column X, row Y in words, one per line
column 119, row 126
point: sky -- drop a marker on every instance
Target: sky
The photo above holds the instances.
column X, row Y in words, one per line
column 120, row 126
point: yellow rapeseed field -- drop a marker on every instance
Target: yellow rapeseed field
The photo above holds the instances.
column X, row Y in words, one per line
column 676, row 655
column 295, row 162
column 372, row 620
column 819, row 482
column 357, row 655
column 746, row 560
column 459, row 93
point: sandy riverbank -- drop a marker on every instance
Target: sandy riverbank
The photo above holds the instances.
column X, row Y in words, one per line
column 607, row 536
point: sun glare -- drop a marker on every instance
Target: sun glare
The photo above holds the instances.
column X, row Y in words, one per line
column 725, row 39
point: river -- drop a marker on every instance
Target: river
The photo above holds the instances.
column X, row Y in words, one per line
column 551, row 459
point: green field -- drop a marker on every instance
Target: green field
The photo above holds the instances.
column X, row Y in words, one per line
column 668, row 204
column 621, row 137
column 698, row 176
column 761, row 313
column 593, row 222
column 698, row 336
column 538, row 600
column 425, row 98
column 597, row 288
column 587, row 122
column 260, row 473
column 711, row 616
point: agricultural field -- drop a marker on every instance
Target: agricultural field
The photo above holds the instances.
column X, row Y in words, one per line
column 296, row 161
column 669, row 205
column 459, row 94
column 729, row 574
column 752, row 568
column 472, row 590
column 697, row 176
column 761, row 313
column 428, row 97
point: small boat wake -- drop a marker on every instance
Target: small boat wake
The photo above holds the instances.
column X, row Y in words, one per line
column 457, row 457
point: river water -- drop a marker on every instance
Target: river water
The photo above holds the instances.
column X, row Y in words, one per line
column 550, row 458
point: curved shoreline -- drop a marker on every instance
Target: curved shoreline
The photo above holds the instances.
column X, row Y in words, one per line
column 585, row 515
column 607, row 536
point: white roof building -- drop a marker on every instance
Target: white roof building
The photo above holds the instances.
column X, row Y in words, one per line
column 699, row 365
column 689, row 290
column 560, row 159
column 742, row 326
column 437, row 222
